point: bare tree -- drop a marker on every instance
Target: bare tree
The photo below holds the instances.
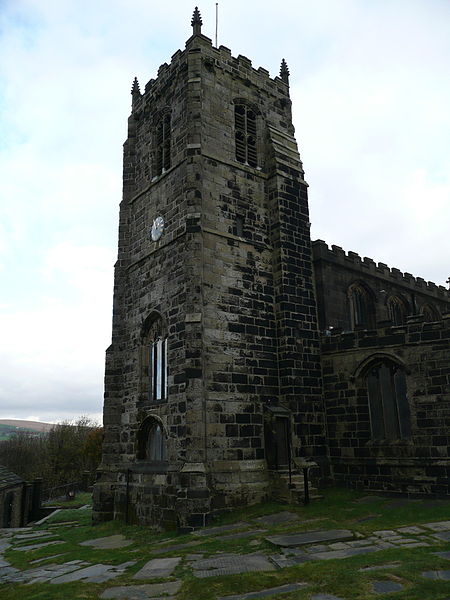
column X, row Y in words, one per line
column 59, row 456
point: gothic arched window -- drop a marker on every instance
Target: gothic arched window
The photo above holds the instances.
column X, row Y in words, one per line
column 397, row 310
column 362, row 311
column 388, row 403
column 163, row 143
column 429, row 312
column 151, row 440
column 154, row 358
column 245, row 134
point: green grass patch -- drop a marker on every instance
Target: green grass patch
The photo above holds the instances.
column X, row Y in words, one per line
column 342, row 577
column 81, row 499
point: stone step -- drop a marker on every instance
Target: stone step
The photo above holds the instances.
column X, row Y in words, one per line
column 285, row 493
column 292, row 489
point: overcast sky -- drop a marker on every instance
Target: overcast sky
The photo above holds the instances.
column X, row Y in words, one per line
column 371, row 94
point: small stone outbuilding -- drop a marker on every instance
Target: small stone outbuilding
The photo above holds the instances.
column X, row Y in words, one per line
column 12, row 491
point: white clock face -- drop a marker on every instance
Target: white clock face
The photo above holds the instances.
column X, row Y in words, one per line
column 157, row 229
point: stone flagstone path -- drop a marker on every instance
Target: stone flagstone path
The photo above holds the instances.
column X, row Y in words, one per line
column 222, row 529
column 278, row 518
column 107, row 543
column 230, row 564
column 157, row 567
column 386, row 587
column 75, row 570
column 293, row 549
column 142, row 592
column 282, row 589
column 311, row 537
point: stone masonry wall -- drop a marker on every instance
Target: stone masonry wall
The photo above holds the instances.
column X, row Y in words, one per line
column 259, row 298
column 335, row 270
column 415, row 466
column 6, row 494
column 232, row 279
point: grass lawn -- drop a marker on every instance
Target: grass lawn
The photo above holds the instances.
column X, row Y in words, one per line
column 81, row 499
column 339, row 509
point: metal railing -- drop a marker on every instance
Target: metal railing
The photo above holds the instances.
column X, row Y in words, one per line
column 68, row 490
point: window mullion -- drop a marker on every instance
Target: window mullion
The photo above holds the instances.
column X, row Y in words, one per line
column 404, row 413
column 389, row 403
column 159, row 369
column 375, row 405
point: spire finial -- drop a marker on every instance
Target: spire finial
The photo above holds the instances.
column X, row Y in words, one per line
column 196, row 22
column 135, row 92
column 284, row 71
column 135, row 87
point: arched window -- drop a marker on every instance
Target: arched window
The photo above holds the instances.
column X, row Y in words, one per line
column 388, row 403
column 151, row 440
column 397, row 310
column 362, row 311
column 154, row 359
column 163, row 143
column 245, row 134
column 429, row 312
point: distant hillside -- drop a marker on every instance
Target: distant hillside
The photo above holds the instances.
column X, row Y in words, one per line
column 10, row 426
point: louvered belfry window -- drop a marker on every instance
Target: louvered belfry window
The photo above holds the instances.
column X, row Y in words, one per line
column 163, row 141
column 245, row 135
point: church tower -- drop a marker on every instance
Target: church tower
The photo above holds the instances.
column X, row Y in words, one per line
column 213, row 378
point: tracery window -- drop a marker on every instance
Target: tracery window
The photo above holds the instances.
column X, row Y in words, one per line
column 397, row 310
column 245, row 134
column 429, row 312
column 388, row 403
column 154, row 359
column 151, row 441
column 163, row 143
column 362, row 311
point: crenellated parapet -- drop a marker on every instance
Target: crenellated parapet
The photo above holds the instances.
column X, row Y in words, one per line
column 367, row 266
column 213, row 58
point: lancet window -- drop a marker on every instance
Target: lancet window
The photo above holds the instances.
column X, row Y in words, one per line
column 154, row 359
column 362, row 311
column 429, row 312
column 397, row 310
column 163, row 143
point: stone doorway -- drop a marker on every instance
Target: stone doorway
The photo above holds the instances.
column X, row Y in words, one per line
column 8, row 510
column 277, row 436
column 282, row 442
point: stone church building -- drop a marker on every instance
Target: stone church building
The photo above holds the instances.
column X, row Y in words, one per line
column 240, row 347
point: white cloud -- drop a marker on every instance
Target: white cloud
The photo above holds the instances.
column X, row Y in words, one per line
column 370, row 91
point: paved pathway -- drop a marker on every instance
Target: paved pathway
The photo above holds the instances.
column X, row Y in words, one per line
column 231, row 564
column 143, row 592
column 157, row 567
column 108, row 543
column 74, row 570
column 289, row 550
